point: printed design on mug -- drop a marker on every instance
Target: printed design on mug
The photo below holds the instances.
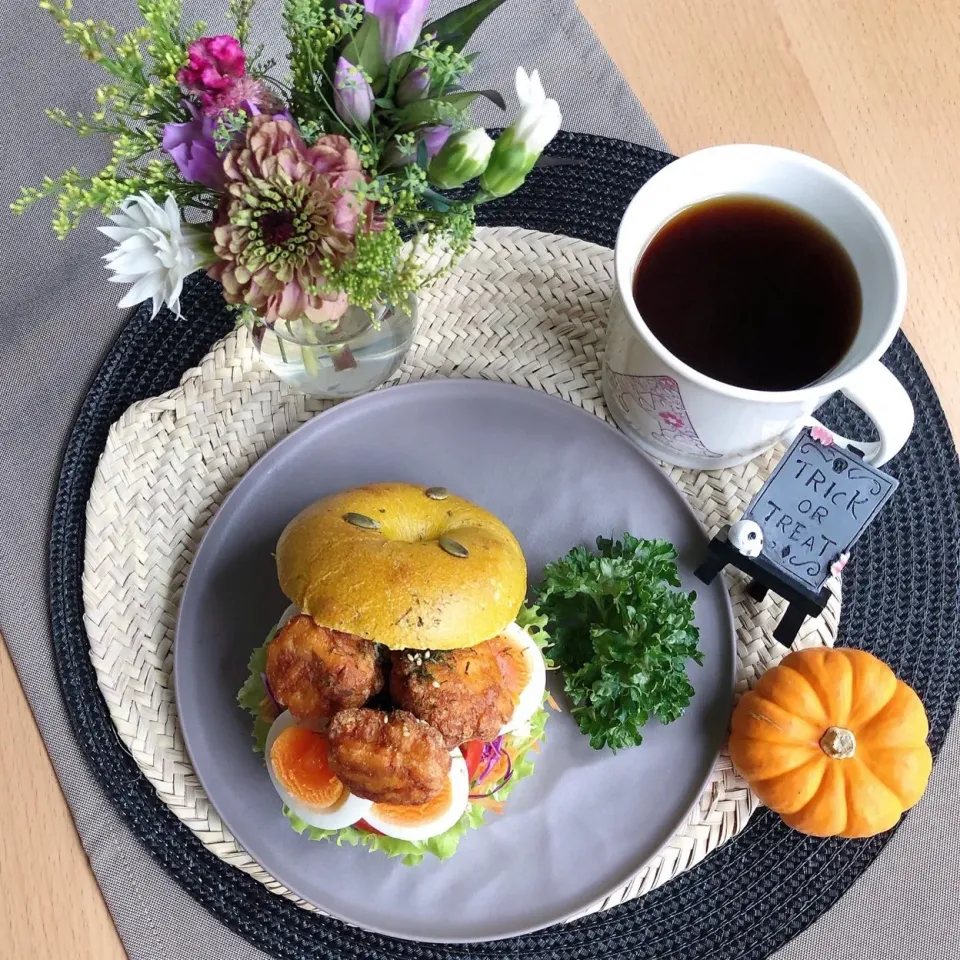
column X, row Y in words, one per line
column 660, row 406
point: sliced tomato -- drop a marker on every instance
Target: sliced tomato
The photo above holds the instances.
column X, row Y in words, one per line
column 472, row 752
column 363, row 825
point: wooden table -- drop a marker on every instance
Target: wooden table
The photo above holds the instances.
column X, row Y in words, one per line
column 869, row 86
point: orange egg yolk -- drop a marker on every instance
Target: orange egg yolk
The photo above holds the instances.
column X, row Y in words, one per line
column 513, row 665
column 404, row 814
column 299, row 758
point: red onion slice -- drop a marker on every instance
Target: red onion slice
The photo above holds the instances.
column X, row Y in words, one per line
column 278, row 706
column 506, row 777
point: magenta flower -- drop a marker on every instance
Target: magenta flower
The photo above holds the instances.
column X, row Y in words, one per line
column 192, row 148
column 400, row 24
column 352, row 95
column 215, row 66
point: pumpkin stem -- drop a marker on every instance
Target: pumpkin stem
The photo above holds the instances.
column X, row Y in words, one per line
column 838, row 743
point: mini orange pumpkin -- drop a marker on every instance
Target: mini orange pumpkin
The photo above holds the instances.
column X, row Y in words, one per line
column 832, row 741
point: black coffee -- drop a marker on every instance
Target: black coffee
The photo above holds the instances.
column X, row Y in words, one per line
column 750, row 291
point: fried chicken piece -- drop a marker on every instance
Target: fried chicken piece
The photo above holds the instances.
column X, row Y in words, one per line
column 315, row 671
column 460, row 692
column 387, row 757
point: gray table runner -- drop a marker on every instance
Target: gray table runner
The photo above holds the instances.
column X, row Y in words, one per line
column 59, row 319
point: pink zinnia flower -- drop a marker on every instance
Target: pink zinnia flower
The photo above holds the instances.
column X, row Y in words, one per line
column 333, row 156
column 289, row 211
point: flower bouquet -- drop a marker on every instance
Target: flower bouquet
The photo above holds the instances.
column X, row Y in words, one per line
column 316, row 197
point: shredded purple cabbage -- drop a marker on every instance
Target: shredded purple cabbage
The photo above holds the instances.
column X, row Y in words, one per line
column 492, row 752
column 490, row 755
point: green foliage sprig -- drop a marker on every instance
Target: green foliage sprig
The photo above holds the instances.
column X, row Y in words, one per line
column 132, row 109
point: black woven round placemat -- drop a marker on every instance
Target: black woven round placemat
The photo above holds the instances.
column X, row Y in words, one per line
column 901, row 602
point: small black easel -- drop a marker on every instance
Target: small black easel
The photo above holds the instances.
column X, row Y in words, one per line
column 802, row 602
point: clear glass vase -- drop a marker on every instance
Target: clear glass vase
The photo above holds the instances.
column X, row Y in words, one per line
column 341, row 359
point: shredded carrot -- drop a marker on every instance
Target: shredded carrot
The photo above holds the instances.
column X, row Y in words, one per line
column 553, row 703
column 490, row 803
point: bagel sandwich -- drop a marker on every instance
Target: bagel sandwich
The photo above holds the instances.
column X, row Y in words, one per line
column 401, row 694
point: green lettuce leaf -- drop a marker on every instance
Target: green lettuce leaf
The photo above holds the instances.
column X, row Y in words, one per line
column 253, row 694
column 535, row 623
column 445, row 844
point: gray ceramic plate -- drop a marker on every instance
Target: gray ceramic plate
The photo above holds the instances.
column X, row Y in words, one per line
column 586, row 820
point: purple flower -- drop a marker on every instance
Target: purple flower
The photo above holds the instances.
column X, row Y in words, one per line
column 414, row 86
column 192, row 148
column 352, row 95
column 433, row 137
column 400, row 24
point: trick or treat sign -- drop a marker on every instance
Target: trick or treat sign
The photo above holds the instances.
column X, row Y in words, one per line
column 815, row 505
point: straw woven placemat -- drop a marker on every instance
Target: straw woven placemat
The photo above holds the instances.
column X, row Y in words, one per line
column 523, row 307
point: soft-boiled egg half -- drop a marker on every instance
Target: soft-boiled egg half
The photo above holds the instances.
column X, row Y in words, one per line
column 300, row 773
column 524, row 674
column 297, row 762
column 292, row 611
column 422, row 821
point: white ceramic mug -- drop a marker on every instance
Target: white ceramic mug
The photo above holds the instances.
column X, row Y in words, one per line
column 676, row 413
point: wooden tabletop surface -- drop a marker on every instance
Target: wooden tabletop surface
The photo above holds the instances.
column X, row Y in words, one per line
column 869, row 86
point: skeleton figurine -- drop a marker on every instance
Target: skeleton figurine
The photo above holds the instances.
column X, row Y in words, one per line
column 746, row 537
column 740, row 545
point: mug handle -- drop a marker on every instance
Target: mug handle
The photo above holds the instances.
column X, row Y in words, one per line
column 880, row 395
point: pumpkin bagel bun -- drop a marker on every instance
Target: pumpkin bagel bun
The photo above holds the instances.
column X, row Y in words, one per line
column 410, row 567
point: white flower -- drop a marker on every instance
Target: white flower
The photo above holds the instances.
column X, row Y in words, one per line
column 464, row 156
column 478, row 145
column 539, row 118
column 155, row 251
column 519, row 146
